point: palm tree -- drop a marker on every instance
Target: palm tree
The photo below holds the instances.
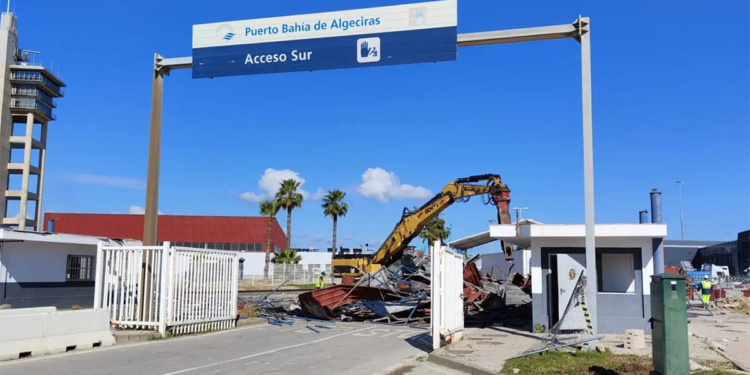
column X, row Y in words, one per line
column 288, row 256
column 334, row 206
column 289, row 199
column 270, row 209
column 434, row 230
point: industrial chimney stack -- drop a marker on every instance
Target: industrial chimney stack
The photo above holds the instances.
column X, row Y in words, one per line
column 655, row 206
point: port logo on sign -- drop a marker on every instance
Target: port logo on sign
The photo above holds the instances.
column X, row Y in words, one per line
column 368, row 50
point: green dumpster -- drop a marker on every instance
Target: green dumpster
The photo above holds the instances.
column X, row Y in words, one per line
column 669, row 325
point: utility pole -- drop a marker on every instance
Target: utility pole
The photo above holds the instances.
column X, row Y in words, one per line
column 682, row 219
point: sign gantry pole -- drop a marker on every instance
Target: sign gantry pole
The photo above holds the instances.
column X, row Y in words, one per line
column 578, row 30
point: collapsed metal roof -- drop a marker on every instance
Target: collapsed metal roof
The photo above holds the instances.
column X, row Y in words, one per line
column 483, row 238
column 472, row 241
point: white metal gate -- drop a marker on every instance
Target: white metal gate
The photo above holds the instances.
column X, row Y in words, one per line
column 156, row 287
column 447, row 309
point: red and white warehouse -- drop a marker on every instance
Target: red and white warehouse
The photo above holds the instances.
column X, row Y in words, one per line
column 239, row 233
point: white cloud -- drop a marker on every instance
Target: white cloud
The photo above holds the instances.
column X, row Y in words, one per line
column 102, row 180
column 348, row 236
column 138, row 210
column 320, row 193
column 269, row 184
column 381, row 185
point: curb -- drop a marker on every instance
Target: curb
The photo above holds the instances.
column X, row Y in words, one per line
column 458, row 366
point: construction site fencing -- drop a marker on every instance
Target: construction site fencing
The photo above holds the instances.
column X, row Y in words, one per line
column 297, row 273
column 164, row 288
column 447, row 309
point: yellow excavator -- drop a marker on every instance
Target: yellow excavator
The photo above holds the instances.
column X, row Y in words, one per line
column 412, row 222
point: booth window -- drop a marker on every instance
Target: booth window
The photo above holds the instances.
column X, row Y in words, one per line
column 80, row 268
column 616, row 273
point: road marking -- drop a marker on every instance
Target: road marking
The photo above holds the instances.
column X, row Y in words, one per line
column 262, row 353
column 121, row 346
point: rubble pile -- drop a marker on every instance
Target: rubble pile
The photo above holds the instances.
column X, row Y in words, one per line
column 735, row 304
column 400, row 294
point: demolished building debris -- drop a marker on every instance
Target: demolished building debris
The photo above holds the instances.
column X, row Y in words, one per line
column 400, row 294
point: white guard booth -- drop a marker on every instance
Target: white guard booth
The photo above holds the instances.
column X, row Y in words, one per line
column 447, row 306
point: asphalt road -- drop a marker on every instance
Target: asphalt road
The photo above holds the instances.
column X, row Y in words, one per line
column 344, row 348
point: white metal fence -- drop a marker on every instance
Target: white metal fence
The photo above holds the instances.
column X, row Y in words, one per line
column 160, row 287
column 291, row 274
column 447, row 309
column 297, row 273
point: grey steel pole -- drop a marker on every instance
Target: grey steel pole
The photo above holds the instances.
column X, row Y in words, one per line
column 152, row 188
column 682, row 218
column 154, row 154
column 584, row 28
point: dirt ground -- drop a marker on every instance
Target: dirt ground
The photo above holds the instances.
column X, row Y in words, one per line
column 738, row 305
column 250, row 285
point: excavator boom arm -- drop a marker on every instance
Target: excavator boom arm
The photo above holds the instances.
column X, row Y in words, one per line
column 412, row 222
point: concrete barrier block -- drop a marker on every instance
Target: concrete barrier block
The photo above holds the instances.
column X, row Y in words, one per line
column 80, row 329
column 22, row 335
column 30, row 310
column 634, row 332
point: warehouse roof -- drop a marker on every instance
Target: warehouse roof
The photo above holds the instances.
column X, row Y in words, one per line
column 235, row 229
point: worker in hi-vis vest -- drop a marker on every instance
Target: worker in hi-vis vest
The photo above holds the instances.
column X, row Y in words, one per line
column 321, row 283
column 706, row 289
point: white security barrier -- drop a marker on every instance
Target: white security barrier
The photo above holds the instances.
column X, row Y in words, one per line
column 181, row 289
column 81, row 329
column 202, row 291
column 30, row 310
column 22, row 335
column 447, row 309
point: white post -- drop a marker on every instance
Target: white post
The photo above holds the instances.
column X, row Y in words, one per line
column 163, row 289
column 170, row 279
column 435, row 293
column 99, row 277
column 235, row 270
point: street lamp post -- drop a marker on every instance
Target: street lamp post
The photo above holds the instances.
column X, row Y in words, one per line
column 682, row 218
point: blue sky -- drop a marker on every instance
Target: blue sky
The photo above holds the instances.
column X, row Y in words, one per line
column 670, row 95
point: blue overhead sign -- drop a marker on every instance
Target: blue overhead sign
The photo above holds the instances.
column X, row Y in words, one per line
column 401, row 34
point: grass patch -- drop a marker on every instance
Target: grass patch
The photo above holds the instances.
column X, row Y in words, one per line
column 718, row 365
column 579, row 362
column 713, row 372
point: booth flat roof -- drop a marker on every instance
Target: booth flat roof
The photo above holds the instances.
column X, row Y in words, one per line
column 507, row 232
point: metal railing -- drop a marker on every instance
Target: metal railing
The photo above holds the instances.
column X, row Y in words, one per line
column 120, row 285
column 203, row 289
column 164, row 288
column 32, row 103
column 34, row 92
column 37, row 77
